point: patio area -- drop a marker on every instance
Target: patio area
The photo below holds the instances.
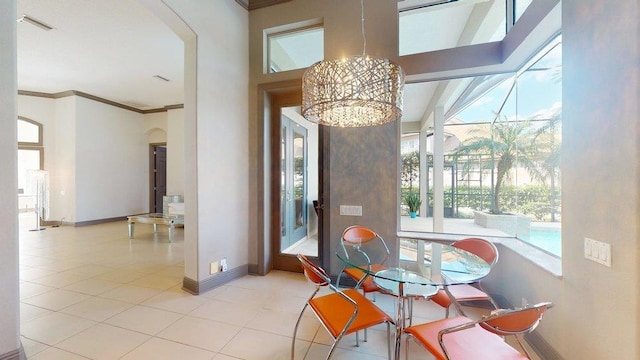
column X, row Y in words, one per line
column 451, row 226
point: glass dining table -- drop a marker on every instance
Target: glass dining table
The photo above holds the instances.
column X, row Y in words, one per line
column 443, row 265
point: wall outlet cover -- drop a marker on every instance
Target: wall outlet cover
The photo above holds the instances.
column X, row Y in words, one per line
column 215, row 267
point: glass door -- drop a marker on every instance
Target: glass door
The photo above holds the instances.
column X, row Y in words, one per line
column 293, row 185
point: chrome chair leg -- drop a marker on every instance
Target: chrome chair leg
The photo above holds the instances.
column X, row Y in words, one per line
column 295, row 331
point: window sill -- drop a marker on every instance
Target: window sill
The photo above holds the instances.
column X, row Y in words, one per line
column 544, row 260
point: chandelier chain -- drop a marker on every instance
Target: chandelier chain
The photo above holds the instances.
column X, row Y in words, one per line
column 364, row 37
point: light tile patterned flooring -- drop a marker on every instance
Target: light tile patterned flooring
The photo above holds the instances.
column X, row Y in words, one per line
column 92, row 293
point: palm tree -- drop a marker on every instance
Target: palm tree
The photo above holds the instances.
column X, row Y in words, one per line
column 548, row 150
column 508, row 143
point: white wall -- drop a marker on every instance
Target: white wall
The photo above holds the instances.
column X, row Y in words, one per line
column 597, row 308
column 63, row 182
column 216, row 126
column 601, row 94
column 155, row 127
column 112, row 162
column 175, row 152
column 97, row 156
column 9, row 299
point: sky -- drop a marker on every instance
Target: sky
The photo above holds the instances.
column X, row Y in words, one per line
column 538, row 91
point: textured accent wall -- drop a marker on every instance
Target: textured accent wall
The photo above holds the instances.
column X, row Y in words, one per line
column 363, row 171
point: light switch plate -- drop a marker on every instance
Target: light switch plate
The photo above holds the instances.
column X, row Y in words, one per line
column 597, row 251
column 351, row 210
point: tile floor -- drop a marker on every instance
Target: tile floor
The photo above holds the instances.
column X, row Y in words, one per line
column 92, row 293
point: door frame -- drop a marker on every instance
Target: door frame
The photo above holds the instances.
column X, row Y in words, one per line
column 287, row 262
column 277, row 100
column 269, row 96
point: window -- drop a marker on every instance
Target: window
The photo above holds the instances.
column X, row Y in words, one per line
column 430, row 25
column 501, row 166
column 30, row 150
column 294, row 49
column 519, row 6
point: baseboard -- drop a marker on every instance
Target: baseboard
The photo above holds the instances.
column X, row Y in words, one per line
column 219, row 279
column 17, row 354
column 253, row 269
column 542, row 347
column 99, row 221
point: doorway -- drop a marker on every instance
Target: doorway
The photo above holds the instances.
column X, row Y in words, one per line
column 158, row 176
column 294, row 183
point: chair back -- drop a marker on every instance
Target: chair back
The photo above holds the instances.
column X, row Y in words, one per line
column 357, row 235
column 513, row 322
column 313, row 272
column 484, row 249
column 363, row 246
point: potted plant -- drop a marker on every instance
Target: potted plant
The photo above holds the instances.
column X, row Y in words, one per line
column 412, row 200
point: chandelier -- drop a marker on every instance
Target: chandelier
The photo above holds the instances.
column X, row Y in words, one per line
column 353, row 92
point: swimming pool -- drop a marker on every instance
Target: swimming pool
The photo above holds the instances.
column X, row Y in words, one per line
column 546, row 239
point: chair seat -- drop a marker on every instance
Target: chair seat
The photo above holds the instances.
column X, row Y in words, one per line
column 464, row 344
column 368, row 285
column 334, row 314
column 466, row 292
column 461, row 292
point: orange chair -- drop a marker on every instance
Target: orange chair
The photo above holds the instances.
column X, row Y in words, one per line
column 363, row 247
column 340, row 312
column 468, row 292
column 463, row 338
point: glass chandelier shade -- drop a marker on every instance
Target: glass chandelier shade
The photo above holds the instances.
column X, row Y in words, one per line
column 353, row 92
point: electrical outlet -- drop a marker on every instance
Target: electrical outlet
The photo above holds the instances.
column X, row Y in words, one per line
column 215, row 267
column 223, row 265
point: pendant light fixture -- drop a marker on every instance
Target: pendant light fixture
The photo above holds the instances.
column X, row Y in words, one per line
column 353, row 92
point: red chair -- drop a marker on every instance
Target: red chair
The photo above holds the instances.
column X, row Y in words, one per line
column 340, row 312
column 363, row 247
column 462, row 338
column 454, row 294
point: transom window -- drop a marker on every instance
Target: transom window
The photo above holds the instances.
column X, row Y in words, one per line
column 295, row 48
column 430, row 25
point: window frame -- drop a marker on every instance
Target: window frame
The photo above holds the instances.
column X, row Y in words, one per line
column 33, row 146
column 283, row 30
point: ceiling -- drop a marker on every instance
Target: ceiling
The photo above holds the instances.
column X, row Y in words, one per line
column 109, row 49
column 117, row 50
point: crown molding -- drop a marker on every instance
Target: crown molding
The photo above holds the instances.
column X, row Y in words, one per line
column 67, row 93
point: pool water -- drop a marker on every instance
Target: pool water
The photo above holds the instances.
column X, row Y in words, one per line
column 546, row 239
